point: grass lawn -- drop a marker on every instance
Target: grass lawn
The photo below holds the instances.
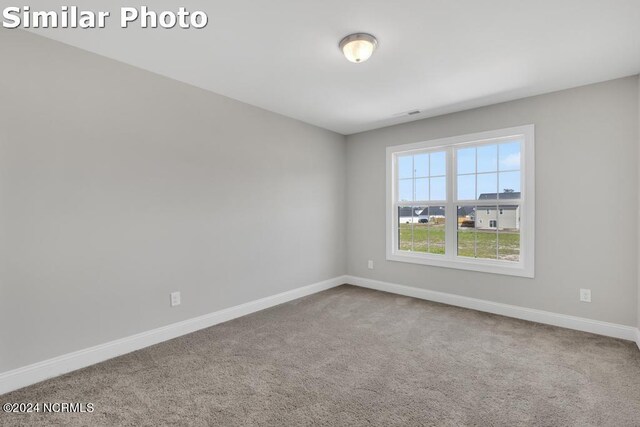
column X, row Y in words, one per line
column 471, row 242
column 426, row 238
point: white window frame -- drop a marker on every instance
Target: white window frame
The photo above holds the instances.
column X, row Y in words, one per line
column 525, row 266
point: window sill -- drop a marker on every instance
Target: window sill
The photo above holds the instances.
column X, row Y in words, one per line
column 461, row 263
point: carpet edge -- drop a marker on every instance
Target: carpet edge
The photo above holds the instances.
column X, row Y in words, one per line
column 598, row 327
column 31, row 374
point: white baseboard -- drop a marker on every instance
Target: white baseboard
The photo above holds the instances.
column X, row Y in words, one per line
column 31, row 374
column 570, row 322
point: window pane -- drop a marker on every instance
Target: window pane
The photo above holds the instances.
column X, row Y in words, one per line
column 427, row 230
column 486, row 232
column 420, row 229
column 438, row 164
column 487, row 186
column 405, row 190
column 421, row 165
column 422, row 189
column 405, row 228
column 509, row 156
column 509, row 185
column 486, row 244
column 487, row 158
column 478, row 183
column 509, row 233
column 477, row 231
column 436, row 229
column 405, row 167
column 466, row 231
column 466, row 160
column 438, row 189
column 466, row 187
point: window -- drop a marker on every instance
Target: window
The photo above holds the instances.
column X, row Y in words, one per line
column 464, row 202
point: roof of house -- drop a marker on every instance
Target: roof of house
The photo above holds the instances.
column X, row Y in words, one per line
column 471, row 210
column 503, row 196
column 433, row 211
column 502, row 207
column 407, row 211
column 466, row 210
column 415, row 211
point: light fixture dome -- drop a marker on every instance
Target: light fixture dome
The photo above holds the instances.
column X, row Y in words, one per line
column 358, row 47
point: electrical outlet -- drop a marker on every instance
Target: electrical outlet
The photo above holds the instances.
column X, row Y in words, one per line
column 370, row 265
column 585, row 295
column 175, row 299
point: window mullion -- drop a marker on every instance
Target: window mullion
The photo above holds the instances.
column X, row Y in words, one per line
column 451, row 213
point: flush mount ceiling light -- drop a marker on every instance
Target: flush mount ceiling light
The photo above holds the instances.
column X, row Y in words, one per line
column 358, row 47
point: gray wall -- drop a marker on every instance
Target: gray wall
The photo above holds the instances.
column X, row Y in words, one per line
column 638, row 265
column 118, row 186
column 586, row 167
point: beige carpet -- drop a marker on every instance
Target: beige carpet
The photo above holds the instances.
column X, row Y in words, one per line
column 350, row 356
